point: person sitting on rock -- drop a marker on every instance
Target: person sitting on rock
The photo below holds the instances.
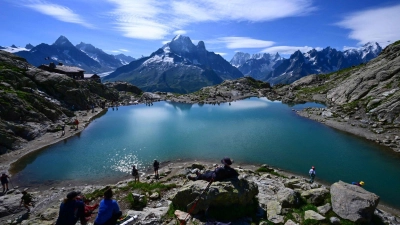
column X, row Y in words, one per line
column 109, row 211
column 72, row 209
column 220, row 173
column 361, row 183
column 27, row 200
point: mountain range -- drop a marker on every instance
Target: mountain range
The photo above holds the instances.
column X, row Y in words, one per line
column 275, row 69
column 85, row 56
column 183, row 67
column 178, row 66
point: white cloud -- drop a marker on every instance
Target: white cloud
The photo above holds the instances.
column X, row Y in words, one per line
column 152, row 19
column 288, row 50
column 180, row 32
column 59, row 12
column 242, row 42
column 376, row 25
column 221, row 53
column 123, row 50
column 239, row 10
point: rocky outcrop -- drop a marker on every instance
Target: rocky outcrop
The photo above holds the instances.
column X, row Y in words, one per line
column 34, row 101
column 353, row 202
column 230, row 196
column 237, row 193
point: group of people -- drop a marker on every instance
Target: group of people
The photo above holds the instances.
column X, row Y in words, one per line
column 72, row 209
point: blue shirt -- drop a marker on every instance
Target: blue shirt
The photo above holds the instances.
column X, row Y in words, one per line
column 107, row 208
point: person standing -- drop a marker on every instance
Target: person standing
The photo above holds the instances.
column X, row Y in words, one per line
column 135, row 173
column 4, row 181
column 312, row 174
column 156, row 166
column 63, row 129
column 27, row 200
column 109, row 211
column 71, row 210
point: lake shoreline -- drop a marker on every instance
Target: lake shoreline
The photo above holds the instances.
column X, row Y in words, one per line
column 86, row 117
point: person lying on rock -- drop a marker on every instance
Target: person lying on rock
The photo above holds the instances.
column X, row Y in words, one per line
column 220, row 173
column 360, row 184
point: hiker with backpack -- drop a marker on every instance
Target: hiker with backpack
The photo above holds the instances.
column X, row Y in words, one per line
column 4, row 181
column 109, row 211
column 220, row 173
column 72, row 209
column 312, row 174
column 156, row 166
column 135, row 173
column 27, row 200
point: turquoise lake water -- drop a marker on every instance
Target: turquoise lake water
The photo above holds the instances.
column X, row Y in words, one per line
column 254, row 130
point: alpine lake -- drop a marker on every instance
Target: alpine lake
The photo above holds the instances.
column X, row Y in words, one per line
column 251, row 131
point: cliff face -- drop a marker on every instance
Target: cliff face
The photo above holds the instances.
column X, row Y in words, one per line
column 32, row 101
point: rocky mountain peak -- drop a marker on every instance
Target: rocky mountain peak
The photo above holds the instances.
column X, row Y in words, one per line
column 181, row 44
column 13, row 46
column 63, row 41
column 201, row 45
column 29, row 46
column 277, row 56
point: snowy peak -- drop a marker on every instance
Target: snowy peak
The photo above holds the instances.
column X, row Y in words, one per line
column 239, row 59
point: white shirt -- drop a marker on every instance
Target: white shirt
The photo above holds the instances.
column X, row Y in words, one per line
column 312, row 172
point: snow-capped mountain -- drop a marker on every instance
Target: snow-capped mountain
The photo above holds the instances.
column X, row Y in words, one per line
column 239, row 59
column 91, row 59
column 179, row 66
column 103, row 58
column 13, row 49
column 257, row 65
column 278, row 70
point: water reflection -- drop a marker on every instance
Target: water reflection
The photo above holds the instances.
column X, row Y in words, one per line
column 180, row 106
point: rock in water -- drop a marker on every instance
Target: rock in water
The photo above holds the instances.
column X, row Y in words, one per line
column 353, row 202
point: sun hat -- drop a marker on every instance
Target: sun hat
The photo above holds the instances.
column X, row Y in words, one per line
column 73, row 194
column 226, row 161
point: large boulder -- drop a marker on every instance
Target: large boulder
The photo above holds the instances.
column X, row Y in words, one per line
column 315, row 196
column 236, row 196
column 9, row 204
column 353, row 202
column 287, row 197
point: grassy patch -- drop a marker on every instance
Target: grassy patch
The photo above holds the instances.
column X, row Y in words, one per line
column 96, row 194
column 270, row 171
column 396, row 43
column 145, row 187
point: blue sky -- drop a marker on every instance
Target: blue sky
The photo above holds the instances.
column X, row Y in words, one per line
column 140, row 27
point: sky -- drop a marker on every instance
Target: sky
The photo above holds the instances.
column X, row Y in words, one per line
column 139, row 27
